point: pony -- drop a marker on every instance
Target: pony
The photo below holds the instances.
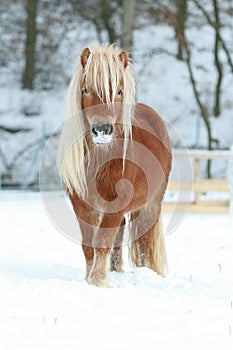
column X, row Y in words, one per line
column 114, row 160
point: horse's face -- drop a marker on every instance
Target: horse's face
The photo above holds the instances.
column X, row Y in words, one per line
column 101, row 117
column 101, row 113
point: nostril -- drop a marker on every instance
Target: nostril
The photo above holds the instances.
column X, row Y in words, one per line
column 108, row 129
column 105, row 129
column 94, row 131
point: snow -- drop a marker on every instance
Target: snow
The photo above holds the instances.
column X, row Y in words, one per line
column 46, row 303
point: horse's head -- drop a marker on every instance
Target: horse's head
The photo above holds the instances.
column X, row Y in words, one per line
column 100, row 108
column 105, row 87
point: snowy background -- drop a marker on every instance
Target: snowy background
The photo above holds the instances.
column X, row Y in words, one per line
column 28, row 118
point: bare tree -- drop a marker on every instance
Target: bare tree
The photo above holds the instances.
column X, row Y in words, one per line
column 220, row 38
column 218, row 64
column 175, row 14
column 128, row 24
column 106, row 17
column 202, row 107
column 219, row 45
column 57, row 19
column 104, row 14
column 30, row 44
column 180, row 23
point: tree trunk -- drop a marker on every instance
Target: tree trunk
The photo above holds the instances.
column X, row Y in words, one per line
column 30, row 44
column 181, row 16
column 128, row 24
column 106, row 18
column 218, row 65
column 203, row 110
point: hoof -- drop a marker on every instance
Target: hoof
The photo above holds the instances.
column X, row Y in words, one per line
column 97, row 282
column 116, row 269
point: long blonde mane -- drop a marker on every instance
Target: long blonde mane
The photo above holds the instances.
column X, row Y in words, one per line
column 103, row 72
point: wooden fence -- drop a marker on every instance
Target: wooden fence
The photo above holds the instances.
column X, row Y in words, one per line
column 200, row 186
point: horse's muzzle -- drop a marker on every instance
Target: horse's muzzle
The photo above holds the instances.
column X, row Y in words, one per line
column 102, row 133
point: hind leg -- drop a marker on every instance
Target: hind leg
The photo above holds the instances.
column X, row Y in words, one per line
column 147, row 246
column 144, row 245
column 116, row 261
column 142, row 237
column 144, row 242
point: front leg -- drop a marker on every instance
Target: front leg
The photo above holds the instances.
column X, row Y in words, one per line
column 89, row 219
column 88, row 233
column 89, row 256
column 103, row 242
column 99, row 272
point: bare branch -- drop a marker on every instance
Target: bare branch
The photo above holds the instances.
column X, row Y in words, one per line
column 31, row 145
column 213, row 24
column 13, row 130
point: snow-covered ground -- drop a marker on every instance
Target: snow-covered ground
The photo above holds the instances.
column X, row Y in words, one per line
column 46, row 304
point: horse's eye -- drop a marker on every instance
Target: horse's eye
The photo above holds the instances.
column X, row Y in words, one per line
column 119, row 92
column 86, row 90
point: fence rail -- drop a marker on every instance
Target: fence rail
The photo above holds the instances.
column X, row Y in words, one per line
column 199, row 185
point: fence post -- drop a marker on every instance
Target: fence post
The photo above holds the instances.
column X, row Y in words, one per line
column 197, row 177
column 230, row 179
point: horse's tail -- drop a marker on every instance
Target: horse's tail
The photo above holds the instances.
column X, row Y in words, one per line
column 158, row 259
column 157, row 255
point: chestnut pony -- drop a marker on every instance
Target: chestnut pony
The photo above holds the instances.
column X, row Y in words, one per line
column 114, row 160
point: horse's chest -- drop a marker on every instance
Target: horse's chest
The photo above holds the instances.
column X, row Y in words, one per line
column 106, row 181
column 114, row 190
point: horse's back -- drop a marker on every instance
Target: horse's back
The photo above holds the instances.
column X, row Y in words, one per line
column 150, row 130
column 148, row 119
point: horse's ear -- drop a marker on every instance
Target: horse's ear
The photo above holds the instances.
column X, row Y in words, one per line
column 84, row 56
column 124, row 58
